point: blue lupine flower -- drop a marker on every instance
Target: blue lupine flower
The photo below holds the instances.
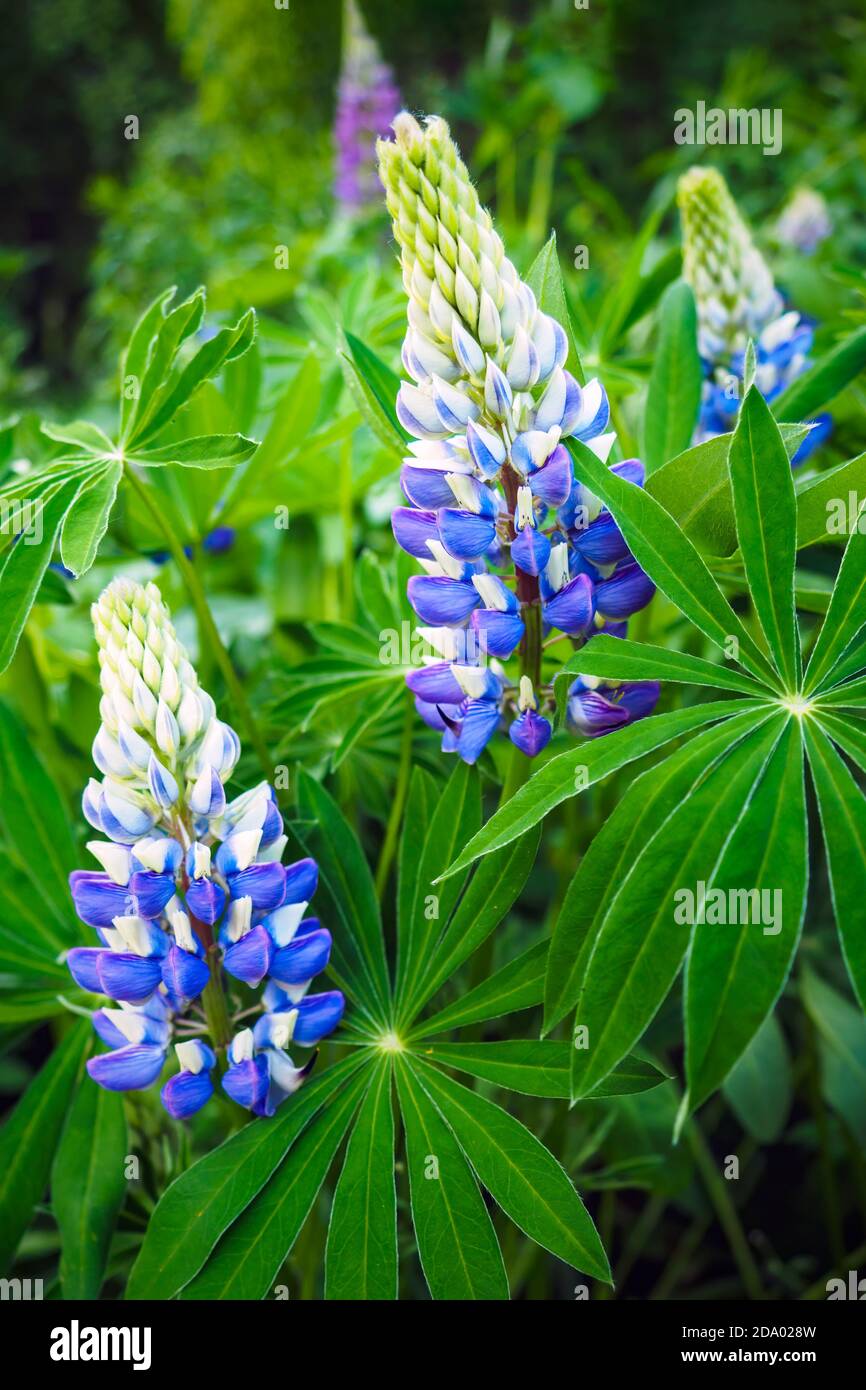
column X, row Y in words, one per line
column 488, row 483
column 191, row 887
column 737, row 301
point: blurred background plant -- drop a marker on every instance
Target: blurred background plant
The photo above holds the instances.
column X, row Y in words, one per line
column 566, row 117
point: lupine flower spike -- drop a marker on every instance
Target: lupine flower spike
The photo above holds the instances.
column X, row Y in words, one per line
column 191, row 889
column 367, row 102
column 512, row 546
column 736, row 301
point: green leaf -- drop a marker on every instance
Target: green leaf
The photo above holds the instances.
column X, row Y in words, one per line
column 845, row 615
column 841, row 1030
column 27, row 562
column 647, row 803
column 219, row 1187
column 87, row 520
column 359, row 947
column 765, row 509
column 641, row 945
column 545, row 280
column 616, row 658
column 538, row 1068
column 518, row 985
column 618, row 306
column 248, row 1258
column 81, row 434
column 843, row 821
column 521, row 1175
column 494, row 887
column 669, row 558
column 737, row 969
column 695, row 488
column 760, row 1087
column 361, row 1254
column 817, row 387
column 88, row 1186
column 827, row 494
column 420, row 805
column 204, row 451
column 457, row 1244
column 134, row 358
column 176, row 390
column 36, row 827
column 652, row 285
column 455, row 820
column 374, row 389
column 587, row 763
column 31, row 1134
column 674, row 393
column 177, row 325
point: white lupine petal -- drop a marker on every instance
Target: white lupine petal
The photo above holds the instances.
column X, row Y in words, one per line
column 240, row 918
column 492, row 591
column 242, row 1046
column 465, row 493
column 135, row 933
column 182, row 928
column 190, row 1056
column 115, row 859
column 201, row 857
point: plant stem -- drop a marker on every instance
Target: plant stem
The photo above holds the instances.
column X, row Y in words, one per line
column 389, row 844
column 207, row 626
column 725, row 1211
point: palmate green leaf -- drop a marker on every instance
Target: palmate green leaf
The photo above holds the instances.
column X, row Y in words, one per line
column 521, row 1175
column 841, row 1030
column 247, row 1260
column 674, row 393
column 538, row 1068
column 766, row 515
column 178, row 387
column 669, row 558
column 544, row 278
column 842, row 808
column 82, row 435
column 374, row 389
column 819, row 499
column 376, row 707
column 87, row 520
column 31, row 1134
column 695, row 487
column 845, row 618
column 851, row 663
column 736, row 970
column 457, row 1244
column 420, row 804
column 641, row 945
column 345, row 877
column 204, row 451
column 616, row 658
column 26, row 563
column 88, row 1185
column 493, row 888
column 361, row 1253
column 177, row 325
column 219, row 1187
column 132, row 363
column 518, row 985
column 760, row 1087
column 455, row 820
column 646, row 804
column 817, row 386
column 36, row 829
column 593, row 760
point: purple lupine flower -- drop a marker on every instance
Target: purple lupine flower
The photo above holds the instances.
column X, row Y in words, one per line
column 192, row 893
column 508, row 537
column 737, row 301
column 367, row 102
